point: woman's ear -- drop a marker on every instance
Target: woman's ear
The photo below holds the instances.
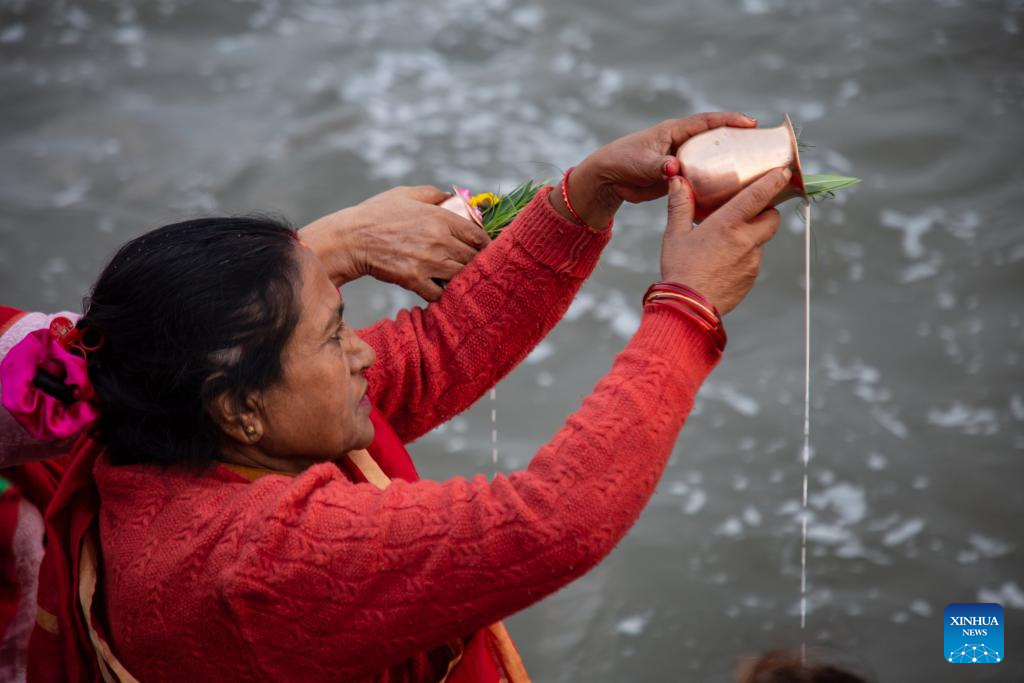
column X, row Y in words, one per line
column 239, row 421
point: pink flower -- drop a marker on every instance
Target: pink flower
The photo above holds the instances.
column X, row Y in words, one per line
column 459, row 204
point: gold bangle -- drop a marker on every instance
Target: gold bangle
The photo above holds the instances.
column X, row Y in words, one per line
column 689, row 300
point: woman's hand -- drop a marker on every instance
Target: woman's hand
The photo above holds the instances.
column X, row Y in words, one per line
column 635, row 168
column 399, row 236
column 721, row 258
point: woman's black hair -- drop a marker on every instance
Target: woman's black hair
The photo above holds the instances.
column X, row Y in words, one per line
column 188, row 312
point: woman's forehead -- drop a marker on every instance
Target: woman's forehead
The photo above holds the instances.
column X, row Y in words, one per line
column 320, row 298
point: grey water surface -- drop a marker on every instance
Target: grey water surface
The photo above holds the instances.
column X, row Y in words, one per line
column 120, row 116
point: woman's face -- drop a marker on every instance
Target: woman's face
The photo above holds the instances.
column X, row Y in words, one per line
column 319, row 411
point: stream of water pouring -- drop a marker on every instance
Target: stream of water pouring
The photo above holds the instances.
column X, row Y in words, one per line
column 806, row 451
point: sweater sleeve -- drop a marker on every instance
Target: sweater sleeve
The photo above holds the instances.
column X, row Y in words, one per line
column 17, row 446
column 433, row 363
column 367, row 577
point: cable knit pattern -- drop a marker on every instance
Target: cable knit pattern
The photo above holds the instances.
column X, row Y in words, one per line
column 317, row 578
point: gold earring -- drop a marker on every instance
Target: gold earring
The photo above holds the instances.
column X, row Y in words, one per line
column 250, row 430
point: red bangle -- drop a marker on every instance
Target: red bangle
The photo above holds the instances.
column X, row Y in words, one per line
column 691, row 303
column 568, row 204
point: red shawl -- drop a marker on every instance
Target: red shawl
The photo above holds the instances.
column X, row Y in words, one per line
column 66, row 647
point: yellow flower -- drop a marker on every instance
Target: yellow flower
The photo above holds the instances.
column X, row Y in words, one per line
column 484, row 200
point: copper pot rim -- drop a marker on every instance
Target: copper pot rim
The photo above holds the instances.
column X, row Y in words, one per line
column 798, row 173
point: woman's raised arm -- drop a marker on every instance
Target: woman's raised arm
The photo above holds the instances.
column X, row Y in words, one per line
column 433, row 363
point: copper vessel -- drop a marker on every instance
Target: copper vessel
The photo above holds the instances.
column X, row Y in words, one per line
column 721, row 162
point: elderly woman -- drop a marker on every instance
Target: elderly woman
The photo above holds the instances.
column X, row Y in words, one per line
column 240, row 504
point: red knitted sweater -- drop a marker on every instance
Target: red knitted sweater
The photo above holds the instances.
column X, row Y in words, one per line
column 317, row 578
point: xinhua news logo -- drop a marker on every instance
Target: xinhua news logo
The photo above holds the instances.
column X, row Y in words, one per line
column 974, row 633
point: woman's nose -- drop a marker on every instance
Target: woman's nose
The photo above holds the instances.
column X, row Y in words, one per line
column 362, row 355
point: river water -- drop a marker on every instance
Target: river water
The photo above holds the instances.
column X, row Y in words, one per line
column 120, row 116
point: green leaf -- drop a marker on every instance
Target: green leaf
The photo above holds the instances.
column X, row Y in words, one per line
column 817, row 184
column 504, row 211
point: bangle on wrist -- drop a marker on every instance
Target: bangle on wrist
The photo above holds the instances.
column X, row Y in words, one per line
column 690, row 303
column 568, row 204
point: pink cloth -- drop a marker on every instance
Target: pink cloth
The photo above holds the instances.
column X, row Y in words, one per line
column 17, row 446
column 43, row 416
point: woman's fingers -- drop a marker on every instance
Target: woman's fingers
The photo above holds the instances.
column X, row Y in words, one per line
column 450, row 247
column 764, row 226
column 646, row 193
column 680, row 206
column 428, row 289
column 466, row 231
column 423, row 193
column 680, row 130
column 752, row 200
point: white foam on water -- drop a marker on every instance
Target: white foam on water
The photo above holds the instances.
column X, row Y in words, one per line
column 970, row 420
column 620, row 312
column 865, row 378
column 946, row 299
column 625, row 260
column 581, row 305
column 678, row 488
column 731, row 527
column 810, row 111
column 921, row 270
column 983, row 547
column 849, row 89
column 904, row 532
column 12, row 34
column 129, row 35
column 756, row 7
column 966, row 225
column 72, row 194
column 837, row 511
column 1017, row 407
column 743, row 404
column 634, row 625
column 846, row 501
column 887, row 418
column 695, row 502
column 921, row 608
column 1007, row 595
column 542, row 351
column 528, row 18
column 613, row 308
column 913, row 226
